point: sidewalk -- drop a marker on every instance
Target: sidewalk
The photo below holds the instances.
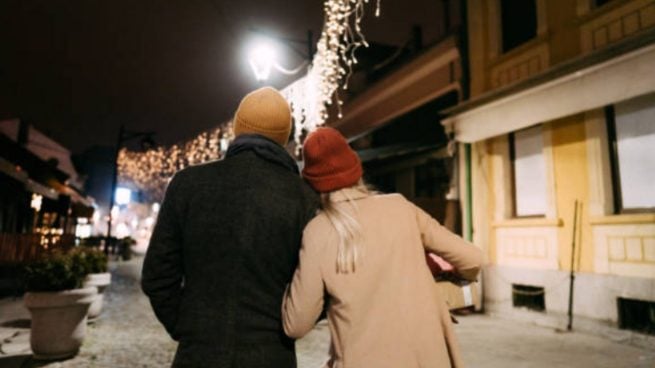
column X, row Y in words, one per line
column 128, row 335
column 491, row 342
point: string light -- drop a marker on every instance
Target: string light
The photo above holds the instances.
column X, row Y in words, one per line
column 332, row 66
column 150, row 171
column 310, row 98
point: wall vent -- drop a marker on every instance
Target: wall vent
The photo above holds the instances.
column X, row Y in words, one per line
column 528, row 296
column 637, row 315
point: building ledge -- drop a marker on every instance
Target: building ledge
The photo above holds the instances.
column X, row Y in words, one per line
column 632, row 218
column 529, row 222
column 519, row 50
column 431, row 75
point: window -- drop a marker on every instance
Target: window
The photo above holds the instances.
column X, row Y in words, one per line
column 528, row 172
column 519, row 22
column 631, row 132
column 599, row 3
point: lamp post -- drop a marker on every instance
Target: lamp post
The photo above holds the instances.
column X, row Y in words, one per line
column 262, row 55
column 123, row 136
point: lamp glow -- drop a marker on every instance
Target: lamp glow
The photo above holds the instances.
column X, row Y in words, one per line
column 115, row 211
column 36, row 202
column 123, row 196
column 262, row 59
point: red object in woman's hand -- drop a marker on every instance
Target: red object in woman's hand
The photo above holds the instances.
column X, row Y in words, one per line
column 437, row 264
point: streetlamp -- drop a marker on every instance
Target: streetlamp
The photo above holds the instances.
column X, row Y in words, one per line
column 262, row 54
column 123, row 136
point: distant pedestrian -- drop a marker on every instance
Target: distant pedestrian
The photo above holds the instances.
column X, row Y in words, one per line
column 226, row 245
column 367, row 253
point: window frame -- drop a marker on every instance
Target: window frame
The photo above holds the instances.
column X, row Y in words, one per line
column 512, row 159
column 615, row 170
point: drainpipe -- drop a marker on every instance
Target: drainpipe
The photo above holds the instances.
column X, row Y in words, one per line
column 462, row 40
column 468, row 232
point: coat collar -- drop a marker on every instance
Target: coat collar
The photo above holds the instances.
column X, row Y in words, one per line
column 264, row 148
column 343, row 194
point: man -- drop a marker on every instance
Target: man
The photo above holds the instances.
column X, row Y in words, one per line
column 226, row 245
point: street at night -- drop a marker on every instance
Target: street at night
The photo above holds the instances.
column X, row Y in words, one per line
column 327, row 184
column 128, row 335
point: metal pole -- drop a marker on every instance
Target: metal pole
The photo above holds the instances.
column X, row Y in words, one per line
column 310, row 46
column 572, row 276
column 469, row 193
column 114, row 183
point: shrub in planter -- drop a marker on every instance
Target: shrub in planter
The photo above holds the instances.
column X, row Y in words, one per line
column 90, row 260
column 93, row 263
column 58, row 305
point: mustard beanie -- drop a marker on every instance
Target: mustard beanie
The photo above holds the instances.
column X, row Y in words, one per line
column 266, row 112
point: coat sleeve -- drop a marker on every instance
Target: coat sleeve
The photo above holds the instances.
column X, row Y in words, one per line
column 464, row 256
column 303, row 300
column 162, row 274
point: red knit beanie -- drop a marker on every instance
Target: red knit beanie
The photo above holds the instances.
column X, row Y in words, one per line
column 330, row 163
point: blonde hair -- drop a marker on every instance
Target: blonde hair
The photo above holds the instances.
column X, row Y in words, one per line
column 345, row 223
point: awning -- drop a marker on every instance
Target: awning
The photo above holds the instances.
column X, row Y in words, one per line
column 13, row 171
column 609, row 76
column 422, row 80
column 383, row 160
column 74, row 195
column 41, row 189
column 22, row 176
column 399, row 150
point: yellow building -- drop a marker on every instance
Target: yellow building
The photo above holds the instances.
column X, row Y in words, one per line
column 562, row 109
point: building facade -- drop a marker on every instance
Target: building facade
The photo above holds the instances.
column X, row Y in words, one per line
column 559, row 135
column 41, row 200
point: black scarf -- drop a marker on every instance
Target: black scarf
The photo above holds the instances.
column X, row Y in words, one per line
column 263, row 148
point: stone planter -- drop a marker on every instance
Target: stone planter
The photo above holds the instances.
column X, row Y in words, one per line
column 58, row 321
column 100, row 281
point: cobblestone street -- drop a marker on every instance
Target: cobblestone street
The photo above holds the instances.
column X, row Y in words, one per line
column 128, row 335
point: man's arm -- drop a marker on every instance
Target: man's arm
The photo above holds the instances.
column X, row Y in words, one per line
column 303, row 299
column 162, row 274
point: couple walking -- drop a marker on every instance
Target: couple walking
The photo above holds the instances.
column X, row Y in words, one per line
column 246, row 255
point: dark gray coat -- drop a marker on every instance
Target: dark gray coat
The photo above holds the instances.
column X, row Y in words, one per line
column 223, row 250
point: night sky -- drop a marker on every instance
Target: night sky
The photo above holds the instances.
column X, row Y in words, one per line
column 77, row 69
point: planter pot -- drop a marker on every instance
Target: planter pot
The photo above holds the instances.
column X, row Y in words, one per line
column 58, row 321
column 100, row 281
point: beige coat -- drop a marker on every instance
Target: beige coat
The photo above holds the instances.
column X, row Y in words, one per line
column 387, row 313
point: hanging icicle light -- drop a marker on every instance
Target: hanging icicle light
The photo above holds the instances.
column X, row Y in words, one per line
column 332, row 66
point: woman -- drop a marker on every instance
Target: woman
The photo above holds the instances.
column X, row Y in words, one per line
column 365, row 253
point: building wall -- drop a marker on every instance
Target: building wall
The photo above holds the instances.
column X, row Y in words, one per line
column 565, row 30
column 615, row 255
